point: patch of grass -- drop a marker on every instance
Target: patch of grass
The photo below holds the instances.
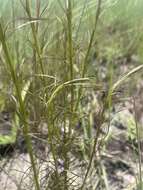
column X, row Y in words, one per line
column 49, row 53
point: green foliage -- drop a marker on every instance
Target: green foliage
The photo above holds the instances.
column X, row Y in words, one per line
column 46, row 49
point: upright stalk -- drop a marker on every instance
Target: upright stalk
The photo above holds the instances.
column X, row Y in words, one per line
column 35, row 38
column 21, row 105
column 83, row 72
column 139, row 146
column 67, row 136
column 94, row 148
column 70, row 56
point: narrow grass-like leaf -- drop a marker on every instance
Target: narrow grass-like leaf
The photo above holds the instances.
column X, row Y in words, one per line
column 60, row 87
column 126, row 76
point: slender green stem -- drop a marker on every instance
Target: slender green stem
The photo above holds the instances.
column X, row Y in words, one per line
column 80, row 91
column 88, row 50
column 139, row 146
column 67, row 136
column 34, row 33
column 70, row 47
column 21, row 105
column 94, row 149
